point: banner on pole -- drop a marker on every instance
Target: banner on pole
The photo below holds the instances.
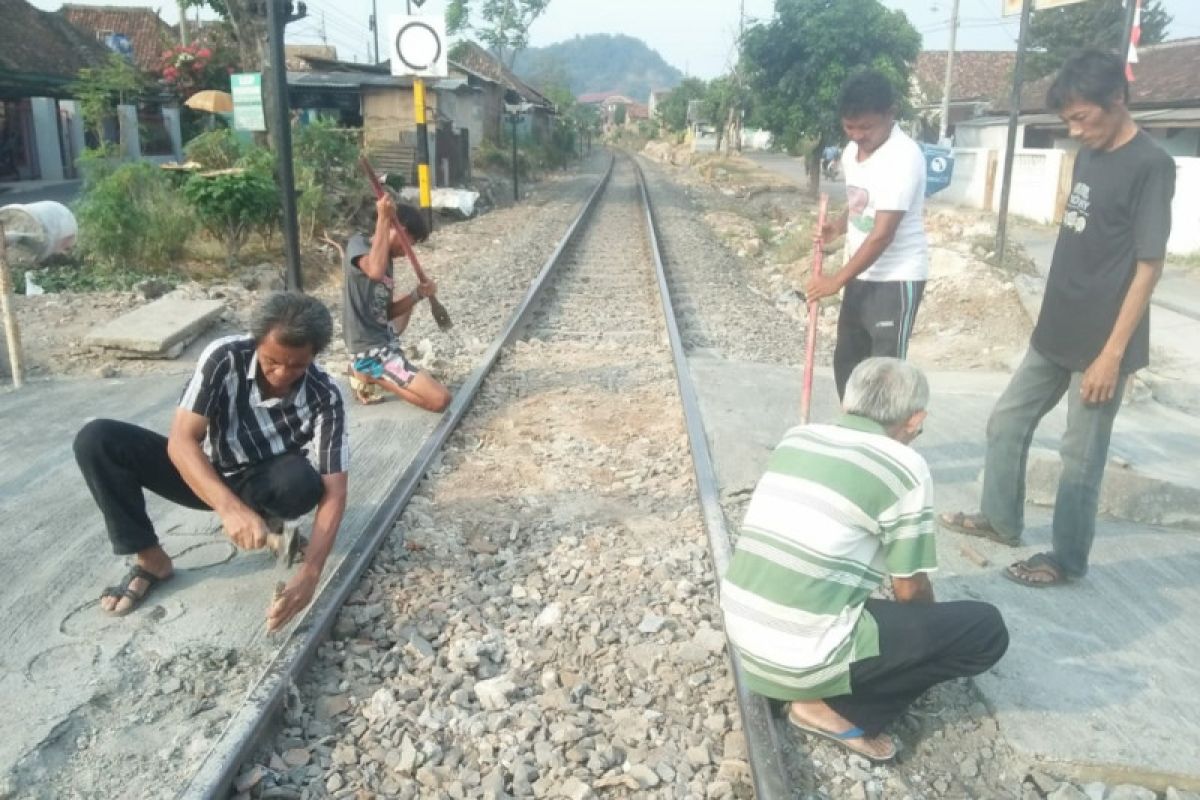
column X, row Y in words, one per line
column 417, row 46
column 246, row 88
column 1012, row 8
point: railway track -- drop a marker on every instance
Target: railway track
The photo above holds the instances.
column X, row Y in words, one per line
column 561, row 559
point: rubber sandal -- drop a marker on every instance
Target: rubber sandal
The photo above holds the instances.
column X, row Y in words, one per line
column 123, row 590
column 1022, row 571
column 845, row 739
column 974, row 525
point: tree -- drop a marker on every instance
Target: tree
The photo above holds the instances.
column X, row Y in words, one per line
column 503, row 24
column 100, row 90
column 247, row 21
column 796, row 63
column 1057, row 32
column 672, row 110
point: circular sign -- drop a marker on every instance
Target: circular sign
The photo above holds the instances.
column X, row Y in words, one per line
column 418, row 46
column 938, row 164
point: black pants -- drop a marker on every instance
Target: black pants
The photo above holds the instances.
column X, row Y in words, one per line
column 876, row 319
column 120, row 461
column 920, row 646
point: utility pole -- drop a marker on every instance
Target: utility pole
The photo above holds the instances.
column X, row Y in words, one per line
column 375, row 27
column 183, row 37
column 944, row 129
column 279, row 14
column 324, row 38
column 1010, row 147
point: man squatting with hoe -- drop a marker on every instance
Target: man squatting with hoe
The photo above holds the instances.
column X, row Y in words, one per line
column 1094, row 327
column 236, row 446
column 372, row 319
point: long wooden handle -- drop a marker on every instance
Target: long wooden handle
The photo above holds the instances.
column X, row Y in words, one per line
column 810, row 348
column 405, row 240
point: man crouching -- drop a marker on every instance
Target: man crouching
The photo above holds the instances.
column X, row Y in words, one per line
column 236, row 446
column 840, row 508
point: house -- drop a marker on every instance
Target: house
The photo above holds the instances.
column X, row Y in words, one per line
column 537, row 109
column 981, row 79
column 657, row 96
column 134, row 31
column 41, row 128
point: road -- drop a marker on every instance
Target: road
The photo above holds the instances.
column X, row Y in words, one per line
column 63, row 192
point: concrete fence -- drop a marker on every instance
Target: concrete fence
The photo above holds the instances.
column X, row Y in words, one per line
column 1041, row 183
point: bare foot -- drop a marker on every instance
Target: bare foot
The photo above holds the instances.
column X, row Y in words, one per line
column 153, row 560
column 816, row 715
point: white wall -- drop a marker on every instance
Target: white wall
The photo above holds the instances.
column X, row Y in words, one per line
column 45, row 132
column 1185, row 209
column 968, row 184
column 1184, row 144
column 1035, row 183
column 988, row 136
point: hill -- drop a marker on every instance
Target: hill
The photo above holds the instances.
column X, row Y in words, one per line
column 599, row 62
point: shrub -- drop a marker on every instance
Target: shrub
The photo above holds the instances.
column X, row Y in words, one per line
column 326, row 175
column 214, row 150
column 132, row 217
column 233, row 205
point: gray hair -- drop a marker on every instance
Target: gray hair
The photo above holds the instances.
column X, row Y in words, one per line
column 886, row 390
column 296, row 319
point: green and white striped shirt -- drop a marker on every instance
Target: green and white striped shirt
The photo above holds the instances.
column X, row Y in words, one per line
column 840, row 508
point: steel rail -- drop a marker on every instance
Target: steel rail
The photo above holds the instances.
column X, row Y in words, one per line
column 251, row 721
column 762, row 737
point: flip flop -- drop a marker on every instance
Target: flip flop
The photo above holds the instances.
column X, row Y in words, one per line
column 365, row 393
column 975, row 525
column 1022, row 572
column 845, row 739
column 123, row 589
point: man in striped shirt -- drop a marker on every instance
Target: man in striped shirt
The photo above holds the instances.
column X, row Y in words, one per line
column 841, row 508
column 237, row 446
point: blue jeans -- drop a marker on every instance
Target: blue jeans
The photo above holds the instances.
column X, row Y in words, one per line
column 1035, row 388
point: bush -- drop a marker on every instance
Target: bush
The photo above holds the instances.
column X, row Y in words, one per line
column 132, row 217
column 233, row 205
column 214, row 150
column 326, row 165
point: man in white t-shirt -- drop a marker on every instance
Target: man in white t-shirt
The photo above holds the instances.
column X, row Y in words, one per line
column 888, row 261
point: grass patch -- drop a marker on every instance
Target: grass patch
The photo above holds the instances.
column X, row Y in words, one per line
column 70, row 275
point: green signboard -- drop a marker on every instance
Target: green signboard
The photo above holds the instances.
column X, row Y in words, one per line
column 246, row 88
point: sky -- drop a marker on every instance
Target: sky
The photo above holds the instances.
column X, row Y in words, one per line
column 695, row 36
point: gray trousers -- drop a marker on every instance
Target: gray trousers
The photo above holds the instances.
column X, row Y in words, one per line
column 1035, row 388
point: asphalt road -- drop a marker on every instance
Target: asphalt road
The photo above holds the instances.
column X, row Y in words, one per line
column 63, row 192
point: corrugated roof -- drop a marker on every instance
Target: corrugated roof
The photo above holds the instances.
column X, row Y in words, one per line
column 146, row 31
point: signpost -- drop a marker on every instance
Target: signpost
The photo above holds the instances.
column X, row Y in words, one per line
column 939, row 168
column 246, row 88
column 418, row 50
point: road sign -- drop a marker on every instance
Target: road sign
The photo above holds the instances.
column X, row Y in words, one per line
column 417, row 46
column 939, row 168
column 246, row 88
column 1012, row 8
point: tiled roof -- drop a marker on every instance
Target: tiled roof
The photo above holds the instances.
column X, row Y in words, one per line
column 1164, row 77
column 982, row 75
column 596, row 98
column 34, row 42
column 146, row 31
column 480, row 61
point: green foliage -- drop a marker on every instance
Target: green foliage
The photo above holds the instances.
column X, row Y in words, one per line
column 1057, row 32
column 796, row 63
column 672, row 111
column 620, row 114
column 100, row 90
column 217, row 149
column 599, row 62
column 326, row 159
column 233, row 205
column 74, row 276
column 96, row 164
column 132, row 217
column 502, row 25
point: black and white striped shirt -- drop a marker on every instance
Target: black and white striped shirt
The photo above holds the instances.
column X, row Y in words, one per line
column 244, row 428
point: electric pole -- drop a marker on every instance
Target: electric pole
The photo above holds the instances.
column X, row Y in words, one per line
column 1010, row 147
column 279, row 14
column 943, row 131
column 183, row 37
column 324, row 38
column 375, row 27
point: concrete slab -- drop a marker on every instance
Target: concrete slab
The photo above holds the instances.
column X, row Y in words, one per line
column 96, row 706
column 157, row 330
column 1100, row 677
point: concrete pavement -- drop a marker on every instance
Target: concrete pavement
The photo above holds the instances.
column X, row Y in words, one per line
column 1099, row 681
column 24, row 192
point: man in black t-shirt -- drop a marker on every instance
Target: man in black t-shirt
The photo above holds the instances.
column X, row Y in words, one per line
column 1094, row 327
column 372, row 318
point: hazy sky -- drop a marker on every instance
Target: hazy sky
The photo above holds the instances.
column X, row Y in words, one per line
column 694, row 35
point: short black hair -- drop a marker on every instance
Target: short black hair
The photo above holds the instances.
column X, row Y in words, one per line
column 1090, row 76
column 296, row 319
column 413, row 221
column 867, row 91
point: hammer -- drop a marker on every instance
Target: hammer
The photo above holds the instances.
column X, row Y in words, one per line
column 283, row 539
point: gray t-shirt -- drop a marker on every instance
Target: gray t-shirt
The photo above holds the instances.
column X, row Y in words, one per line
column 1119, row 213
column 365, row 321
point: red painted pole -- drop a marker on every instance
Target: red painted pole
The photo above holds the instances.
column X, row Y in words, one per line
column 814, row 310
